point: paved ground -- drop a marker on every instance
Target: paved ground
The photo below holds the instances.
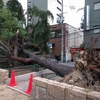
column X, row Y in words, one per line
column 10, row 94
column 23, row 80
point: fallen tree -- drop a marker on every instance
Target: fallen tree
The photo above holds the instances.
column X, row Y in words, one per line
column 87, row 69
column 32, row 57
column 85, row 74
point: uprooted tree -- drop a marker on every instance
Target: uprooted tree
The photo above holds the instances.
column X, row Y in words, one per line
column 14, row 42
column 85, row 73
column 87, row 68
column 13, row 33
column 32, row 57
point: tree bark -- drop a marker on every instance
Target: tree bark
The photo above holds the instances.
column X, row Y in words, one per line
column 32, row 57
column 57, row 68
column 16, row 49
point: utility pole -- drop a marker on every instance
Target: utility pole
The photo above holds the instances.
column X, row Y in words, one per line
column 62, row 54
column 62, row 27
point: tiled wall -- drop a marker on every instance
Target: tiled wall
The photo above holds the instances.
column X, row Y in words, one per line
column 44, row 89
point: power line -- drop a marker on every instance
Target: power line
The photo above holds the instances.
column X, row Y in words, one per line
column 73, row 38
column 81, row 36
column 49, row 2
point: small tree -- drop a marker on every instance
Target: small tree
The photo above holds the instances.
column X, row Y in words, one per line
column 17, row 11
column 10, row 29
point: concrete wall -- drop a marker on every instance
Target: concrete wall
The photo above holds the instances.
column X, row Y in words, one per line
column 3, row 75
column 44, row 89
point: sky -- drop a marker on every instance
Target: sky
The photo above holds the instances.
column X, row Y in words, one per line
column 71, row 16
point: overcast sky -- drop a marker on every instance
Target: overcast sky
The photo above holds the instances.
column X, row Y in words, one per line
column 72, row 17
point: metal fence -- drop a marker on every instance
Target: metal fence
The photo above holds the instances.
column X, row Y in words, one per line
column 23, row 69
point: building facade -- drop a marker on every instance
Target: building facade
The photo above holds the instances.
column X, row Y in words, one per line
column 75, row 37
column 56, row 39
column 72, row 38
column 41, row 4
column 91, row 22
column 50, row 5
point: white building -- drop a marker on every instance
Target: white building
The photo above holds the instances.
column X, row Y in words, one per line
column 75, row 37
column 5, row 1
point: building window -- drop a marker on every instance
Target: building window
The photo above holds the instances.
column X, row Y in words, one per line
column 56, row 34
column 50, row 45
column 96, row 29
column 96, row 6
column 53, row 34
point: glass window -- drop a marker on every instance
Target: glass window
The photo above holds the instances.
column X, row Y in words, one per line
column 49, row 45
column 53, row 34
column 96, row 6
column 56, row 34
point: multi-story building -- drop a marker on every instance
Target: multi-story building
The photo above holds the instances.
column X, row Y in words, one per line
column 41, row 4
column 50, row 5
column 72, row 38
column 91, row 22
column 75, row 37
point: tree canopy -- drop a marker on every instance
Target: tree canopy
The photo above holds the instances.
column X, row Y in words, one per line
column 41, row 30
column 13, row 34
column 9, row 24
column 11, row 29
column 16, row 7
column 1, row 3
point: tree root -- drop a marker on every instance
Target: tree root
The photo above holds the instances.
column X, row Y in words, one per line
column 80, row 78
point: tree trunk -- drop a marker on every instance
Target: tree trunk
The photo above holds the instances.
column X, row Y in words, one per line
column 57, row 68
column 86, row 72
column 16, row 49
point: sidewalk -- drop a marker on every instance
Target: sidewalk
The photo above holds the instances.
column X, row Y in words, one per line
column 23, row 80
